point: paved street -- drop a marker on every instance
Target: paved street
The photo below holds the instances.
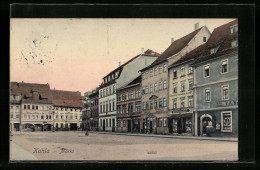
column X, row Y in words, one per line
column 69, row 145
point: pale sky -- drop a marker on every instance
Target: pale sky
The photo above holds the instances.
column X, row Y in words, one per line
column 74, row 54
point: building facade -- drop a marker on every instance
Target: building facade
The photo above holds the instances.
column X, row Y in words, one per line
column 35, row 106
column 118, row 78
column 216, row 84
column 155, row 81
column 93, row 117
column 15, row 111
column 129, row 107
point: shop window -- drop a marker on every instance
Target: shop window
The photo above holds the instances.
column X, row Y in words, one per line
column 165, row 122
column 160, row 122
column 188, row 125
column 226, row 121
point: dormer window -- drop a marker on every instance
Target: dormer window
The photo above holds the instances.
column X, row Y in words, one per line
column 112, row 76
column 234, row 43
column 105, row 80
column 214, row 49
column 108, row 78
column 233, row 28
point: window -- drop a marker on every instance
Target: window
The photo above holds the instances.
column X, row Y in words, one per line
column 151, row 88
column 151, row 104
column 57, row 116
column 143, row 76
column 206, row 71
column 155, row 71
column 182, row 102
column 224, row 66
column 225, row 94
column 100, row 93
column 164, row 102
column 160, row 122
column 107, row 91
column 234, row 43
column 123, row 97
column 143, row 91
column 160, row 85
column 113, row 105
column 164, row 84
column 109, row 122
column 100, row 122
column 207, row 94
column 49, row 116
column 104, row 92
column 110, row 105
column 12, row 115
column 214, row 49
column 138, row 107
column 190, row 84
column 106, row 106
column 100, row 107
column 17, row 107
column 130, row 108
column 114, row 88
column 164, row 68
column 175, row 103
column 204, row 39
column 226, row 121
column 130, row 95
column 118, row 109
column 155, row 104
column 36, row 107
column 124, row 108
column 143, row 105
column 175, row 74
column 32, row 106
column 160, row 103
column 151, row 73
column 146, row 105
column 165, row 122
column 108, row 78
column 17, row 115
column 66, row 109
column 155, row 87
column 61, row 116
column 119, row 97
column 182, row 86
column 175, row 88
column 190, row 99
column 110, row 90
column 124, row 123
column 76, row 116
column 12, row 107
column 182, row 71
column 190, row 69
column 233, row 29
column 160, row 70
column 146, row 90
column 28, row 106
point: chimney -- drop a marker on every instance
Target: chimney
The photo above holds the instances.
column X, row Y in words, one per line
column 142, row 51
column 196, row 26
column 119, row 63
column 172, row 40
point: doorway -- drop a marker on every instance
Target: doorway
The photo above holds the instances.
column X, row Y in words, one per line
column 129, row 126
column 151, row 127
column 104, row 125
column 205, row 120
column 73, row 126
column 113, row 125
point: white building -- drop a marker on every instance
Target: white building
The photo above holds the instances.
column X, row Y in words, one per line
column 118, row 78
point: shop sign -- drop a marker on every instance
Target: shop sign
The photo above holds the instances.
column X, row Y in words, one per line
column 180, row 110
column 227, row 103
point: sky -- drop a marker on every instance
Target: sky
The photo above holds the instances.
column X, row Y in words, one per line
column 75, row 54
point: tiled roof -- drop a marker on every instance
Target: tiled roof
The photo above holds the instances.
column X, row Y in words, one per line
column 26, row 90
column 66, row 98
column 174, row 48
column 221, row 35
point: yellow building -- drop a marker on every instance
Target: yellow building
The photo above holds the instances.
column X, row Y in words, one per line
column 67, row 110
column 181, row 94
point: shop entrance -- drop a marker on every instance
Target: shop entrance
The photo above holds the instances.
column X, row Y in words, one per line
column 17, row 126
column 205, row 120
column 129, row 126
column 73, row 126
column 104, row 125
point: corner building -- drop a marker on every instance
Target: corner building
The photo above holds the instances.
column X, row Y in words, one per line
column 116, row 79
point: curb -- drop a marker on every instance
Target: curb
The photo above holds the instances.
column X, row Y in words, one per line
column 168, row 136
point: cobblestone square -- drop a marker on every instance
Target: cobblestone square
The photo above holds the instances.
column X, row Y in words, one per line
column 74, row 145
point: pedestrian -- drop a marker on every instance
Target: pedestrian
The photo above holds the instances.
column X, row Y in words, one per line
column 86, row 134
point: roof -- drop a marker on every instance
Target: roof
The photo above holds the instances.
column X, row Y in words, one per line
column 26, row 90
column 194, row 54
column 66, row 98
column 174, row 48
column 222, row 36
column 148, row 52
column 136, row 81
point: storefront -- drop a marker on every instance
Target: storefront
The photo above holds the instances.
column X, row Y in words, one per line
column 129, row 123
column 180, row 123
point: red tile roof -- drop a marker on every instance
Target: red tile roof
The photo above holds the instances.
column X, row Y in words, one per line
column 221, row 35
column 26, row 90
column 66, row 98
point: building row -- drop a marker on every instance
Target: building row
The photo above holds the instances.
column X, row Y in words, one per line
column 36, row 107
column 189, row 89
